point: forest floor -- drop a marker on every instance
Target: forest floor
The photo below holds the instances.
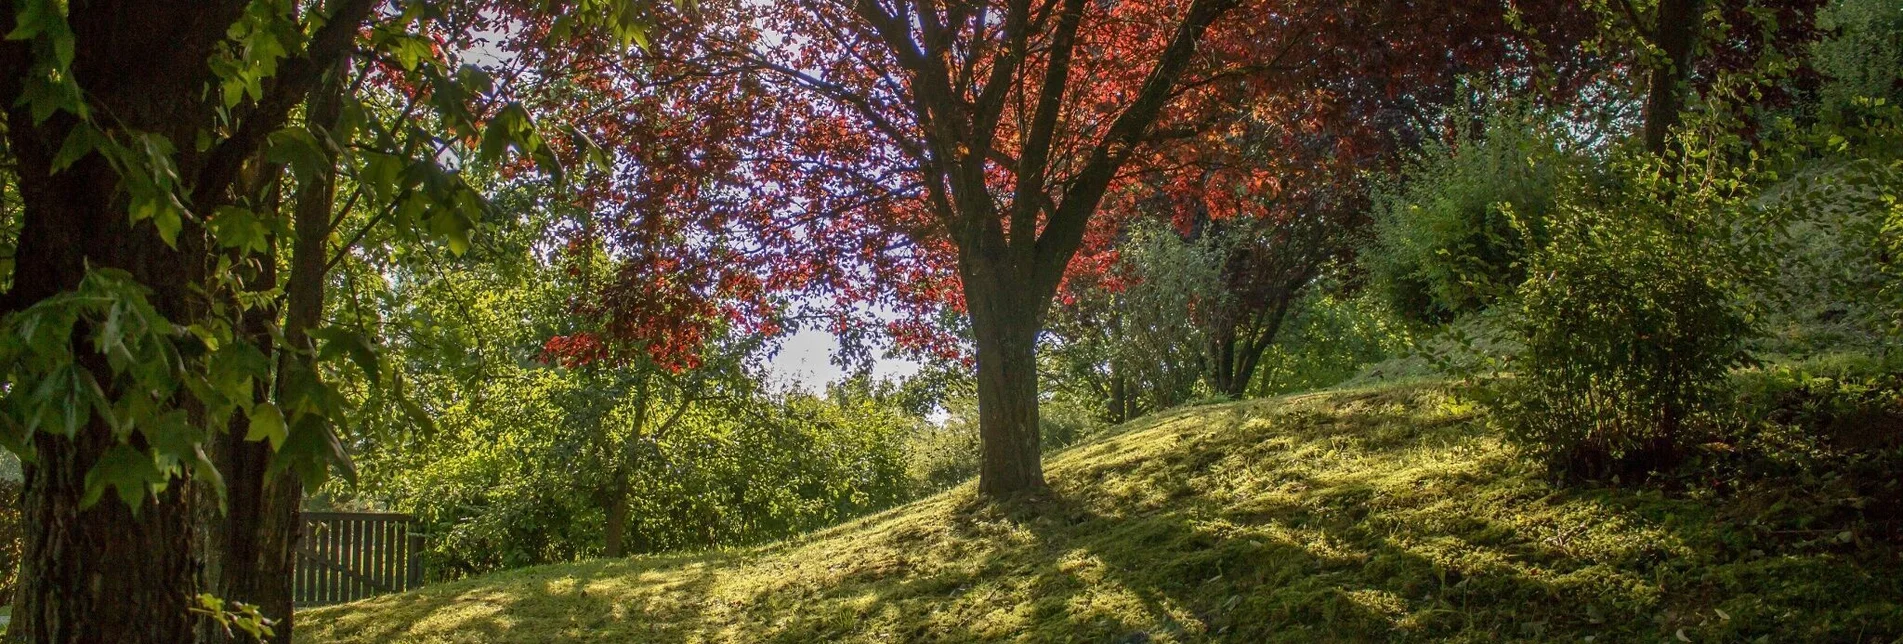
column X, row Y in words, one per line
column 1357, row 515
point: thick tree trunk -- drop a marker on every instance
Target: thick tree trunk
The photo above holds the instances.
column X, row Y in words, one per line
column 102, row 573
column 1005, row 317
column 1676, row 34
column 106, row 573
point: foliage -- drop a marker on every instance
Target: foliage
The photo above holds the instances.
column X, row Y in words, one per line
column 1631, row 318
column 513, row 488
column 242, row 617
column 1837, row 196
column 158, row 364
column 1365, row 515
column 152, row 363
column 1862, row 57
column 1332, row 335
column 529, row 453
column 1134, row 337
column 1454, row 233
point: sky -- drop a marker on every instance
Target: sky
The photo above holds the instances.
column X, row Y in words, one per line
column 805, row 362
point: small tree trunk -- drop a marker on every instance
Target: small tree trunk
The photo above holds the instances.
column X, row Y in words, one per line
column 1222, row 356
column 1119, row 380
column 617, row 529
column 1676, row 33
column 251, row 558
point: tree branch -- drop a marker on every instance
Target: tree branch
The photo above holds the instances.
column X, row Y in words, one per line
column 295, row 80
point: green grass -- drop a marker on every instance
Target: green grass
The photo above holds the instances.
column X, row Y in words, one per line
column 1366, row 515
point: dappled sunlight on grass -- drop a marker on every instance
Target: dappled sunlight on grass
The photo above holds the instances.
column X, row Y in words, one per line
column 1375, row 514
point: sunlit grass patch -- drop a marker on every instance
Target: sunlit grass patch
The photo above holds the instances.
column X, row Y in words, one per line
column 1384, row 514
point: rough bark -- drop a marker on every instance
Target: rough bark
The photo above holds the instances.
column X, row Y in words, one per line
column 253, row 552
column 229, row 538
column 1005, row 322
column 105, row 573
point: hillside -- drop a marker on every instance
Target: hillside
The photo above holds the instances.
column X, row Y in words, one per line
column 1380, row 514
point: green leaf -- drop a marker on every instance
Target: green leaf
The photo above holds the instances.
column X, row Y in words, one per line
column 83, row 140
column 64, row 400
column 341, row 341
column 267, row 424
column 236, row 227
column 33, row 19
column 297, row 148
column 311, row 449
column 410, row 408
column 130, row 471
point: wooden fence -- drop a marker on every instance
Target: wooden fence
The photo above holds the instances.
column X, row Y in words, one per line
column 346, row 556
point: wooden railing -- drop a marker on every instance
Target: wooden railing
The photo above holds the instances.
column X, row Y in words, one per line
column 346, row 556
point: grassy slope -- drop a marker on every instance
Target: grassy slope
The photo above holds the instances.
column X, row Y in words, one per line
column 1379, row 514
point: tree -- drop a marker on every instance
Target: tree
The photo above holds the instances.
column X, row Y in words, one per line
column 885, row 149
column 123, row 571
column 1282, row 189
column 154, row 143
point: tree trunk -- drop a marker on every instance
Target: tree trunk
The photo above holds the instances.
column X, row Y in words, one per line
column 1222, row 356
column 106, row 573
column 1676, row 34
column 103, row 573
column 1119, row 378
column 258, row 549
column 617, row 528
column 1005, row 317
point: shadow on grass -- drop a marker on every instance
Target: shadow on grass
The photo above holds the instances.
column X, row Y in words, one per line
column 1361, row 516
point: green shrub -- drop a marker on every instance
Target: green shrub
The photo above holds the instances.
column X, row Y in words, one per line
column 1630, row 320
column 1331, row 336
column 1452, row 234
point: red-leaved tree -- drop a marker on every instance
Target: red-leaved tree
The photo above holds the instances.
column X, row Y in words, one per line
column 928, row 154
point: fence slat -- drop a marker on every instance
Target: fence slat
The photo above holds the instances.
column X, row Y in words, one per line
column 389, row 555
column 353, row 558
column 357, row 529
column 346, row 556
column 415, row 572
column 403, row 554
column 333, row 584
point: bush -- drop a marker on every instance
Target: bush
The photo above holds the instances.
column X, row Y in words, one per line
column 523, row 480
column 1331, row 336
column 1630, row 321
column 1453, row 234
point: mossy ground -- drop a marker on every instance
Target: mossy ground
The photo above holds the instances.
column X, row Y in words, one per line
column 1385, row 514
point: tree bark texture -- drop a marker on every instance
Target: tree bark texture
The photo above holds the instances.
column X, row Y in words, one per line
column 105, row 573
